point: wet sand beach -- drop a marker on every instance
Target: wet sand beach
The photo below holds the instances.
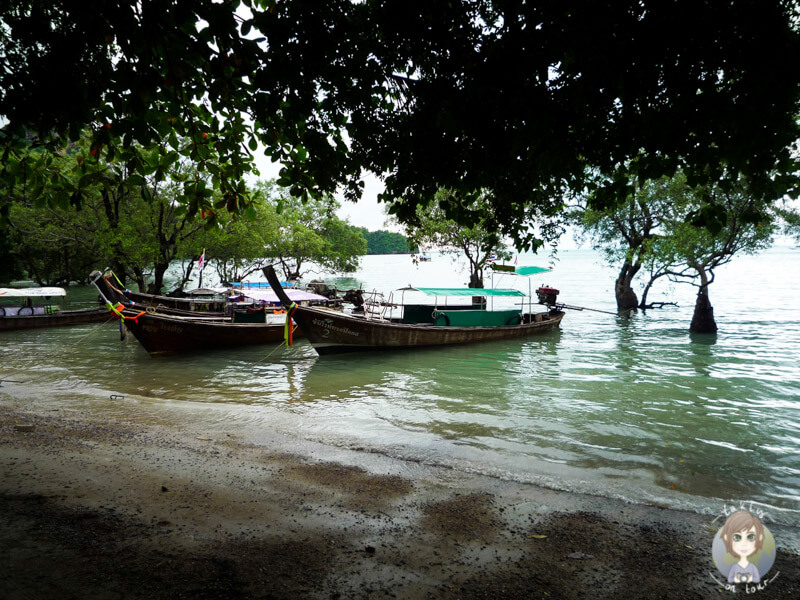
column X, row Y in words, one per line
column 154, row 508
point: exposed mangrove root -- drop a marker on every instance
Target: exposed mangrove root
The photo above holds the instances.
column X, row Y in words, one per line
column 657, row 305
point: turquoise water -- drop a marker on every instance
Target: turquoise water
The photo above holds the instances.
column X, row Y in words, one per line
column 635, row 408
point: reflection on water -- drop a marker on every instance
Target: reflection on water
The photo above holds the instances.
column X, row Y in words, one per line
column 635, row 408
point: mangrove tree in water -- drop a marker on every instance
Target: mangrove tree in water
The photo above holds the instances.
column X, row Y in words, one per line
column 650, row 234
column 686, row 252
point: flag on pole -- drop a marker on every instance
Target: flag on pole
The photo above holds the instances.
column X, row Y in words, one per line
column 202, row 260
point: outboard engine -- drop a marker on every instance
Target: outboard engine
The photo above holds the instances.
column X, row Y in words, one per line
column 547, row 295
column 322, row 289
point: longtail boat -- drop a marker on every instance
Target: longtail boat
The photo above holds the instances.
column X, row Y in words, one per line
column 160, row 333
column 214, row 306
column 28, row 314
column 421, row 325
column 227, row 301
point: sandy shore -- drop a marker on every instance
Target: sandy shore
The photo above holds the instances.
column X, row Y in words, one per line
column 152, row 508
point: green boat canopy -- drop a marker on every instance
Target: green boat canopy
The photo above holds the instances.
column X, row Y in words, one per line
column 514, row 270
column 531, row 270
column 464, row 291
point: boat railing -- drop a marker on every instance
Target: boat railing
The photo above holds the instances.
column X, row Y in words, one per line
column 376, row 306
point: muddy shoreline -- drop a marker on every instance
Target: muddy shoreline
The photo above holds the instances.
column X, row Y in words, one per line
column 132, row 508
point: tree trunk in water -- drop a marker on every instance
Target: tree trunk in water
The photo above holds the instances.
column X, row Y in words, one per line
column 119, row 270
column 643, row 303
column 139, row 278
column 156, row 287
column 188, row 275
column 476, row 282
column 626, row 297
column 703, row 319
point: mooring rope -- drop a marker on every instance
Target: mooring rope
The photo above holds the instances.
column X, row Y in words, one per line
column 94, row 329
column 271, row 352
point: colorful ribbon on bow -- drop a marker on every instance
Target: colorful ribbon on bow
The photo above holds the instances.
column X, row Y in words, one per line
column 124, row 291
column 117, row 310
column 287, row 327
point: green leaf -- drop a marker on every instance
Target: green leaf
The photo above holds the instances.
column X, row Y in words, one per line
column 87, row 179
column 76, row 199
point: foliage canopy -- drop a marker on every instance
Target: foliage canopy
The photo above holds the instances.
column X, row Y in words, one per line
column 522, row 100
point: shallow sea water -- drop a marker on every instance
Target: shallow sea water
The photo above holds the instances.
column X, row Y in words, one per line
column 638, row 409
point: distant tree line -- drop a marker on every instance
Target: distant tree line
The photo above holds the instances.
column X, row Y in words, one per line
column 387, row 242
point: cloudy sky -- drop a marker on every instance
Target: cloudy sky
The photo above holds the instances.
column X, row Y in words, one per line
column 366, row 213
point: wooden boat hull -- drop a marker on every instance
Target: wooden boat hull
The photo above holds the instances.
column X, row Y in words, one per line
column 57, row 319
column 332, row 332
column 168, row 334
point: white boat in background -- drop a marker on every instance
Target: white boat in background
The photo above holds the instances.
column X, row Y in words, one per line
column 35, row 307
